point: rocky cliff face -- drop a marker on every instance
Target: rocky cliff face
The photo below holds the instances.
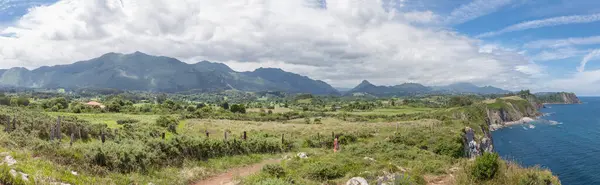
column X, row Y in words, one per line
column 511, row 111
column 570, row 98
column 558, row 98
column 497, row 115
column 472, row 147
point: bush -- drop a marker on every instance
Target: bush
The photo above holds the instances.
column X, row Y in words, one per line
column 317, row 121
column 485, row 166
column 191, row 108
column 8, row 179
column 168, row 122
column 272, row 181
column 238, row 108
column 127, row 121
column 534, row 179
column 323, row 171
column 274, row 170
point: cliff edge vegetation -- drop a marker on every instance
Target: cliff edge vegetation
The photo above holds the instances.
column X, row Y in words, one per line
column 558, row 98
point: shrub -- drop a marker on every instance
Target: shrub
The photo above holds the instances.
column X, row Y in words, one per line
column 272, row 181
column 127, row 121
column 166, row 121
column 7, row 178
column 534, row 179
column 307, row 120
column 238, row 108
column 485, row 166
column 191, row 108
column 323, row 171
column 274, row 170
column 317, row 121
column 225, row 106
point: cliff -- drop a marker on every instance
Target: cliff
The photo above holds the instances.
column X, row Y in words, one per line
column 558, row 98
column 497, row 114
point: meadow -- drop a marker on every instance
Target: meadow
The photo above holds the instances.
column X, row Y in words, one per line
column 182, row 143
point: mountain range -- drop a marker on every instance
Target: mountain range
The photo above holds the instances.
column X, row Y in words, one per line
column 140, row 71
column 408, row 89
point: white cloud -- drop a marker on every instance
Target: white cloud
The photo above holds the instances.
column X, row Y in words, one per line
column 583, row 83
column 532, row 69
column 557, row 43
column 420, row 17
column 557, row 54
column 346, row 42
column 554, row 21
column 592, row 55
column 475, row 9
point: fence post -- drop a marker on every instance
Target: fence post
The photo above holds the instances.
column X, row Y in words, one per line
column 245, row 136
column 282, row 140
column 103, row 137
column 7, row 127
column 58, row 130
column 225, row 135
column 72, row 138
column 14, row 123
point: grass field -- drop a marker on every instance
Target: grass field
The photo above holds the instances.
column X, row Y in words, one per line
column 109, row 119
column 421, row 150
column 277, row 109
column 394, row 111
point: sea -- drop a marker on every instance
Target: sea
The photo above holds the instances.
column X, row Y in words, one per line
column 565, row 140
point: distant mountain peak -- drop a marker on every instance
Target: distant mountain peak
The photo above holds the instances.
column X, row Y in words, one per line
column 212, row 66
column 138, row 53
column 269, row 69
column 365, row 82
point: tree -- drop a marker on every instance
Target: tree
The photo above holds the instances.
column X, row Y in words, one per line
column 168, row 122
column 114, row 106
column 4, row 100
column 238, row 108
column 460, row 101
column 191, row 108
column 225, row 106
column 161, row 98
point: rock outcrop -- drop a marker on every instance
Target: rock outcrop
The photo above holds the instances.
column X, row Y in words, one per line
column 357, row 181
column 506, row 111
column 570, row 98
column 473, row 147
column 558, row 98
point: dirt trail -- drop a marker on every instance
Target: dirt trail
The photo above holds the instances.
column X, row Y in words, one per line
column 227, row 177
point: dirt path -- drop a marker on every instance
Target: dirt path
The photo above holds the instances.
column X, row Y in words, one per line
column 227, row 177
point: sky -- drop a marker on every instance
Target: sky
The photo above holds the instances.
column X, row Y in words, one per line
column 542, row 45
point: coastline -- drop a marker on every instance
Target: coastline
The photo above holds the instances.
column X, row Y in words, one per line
column 523, row 120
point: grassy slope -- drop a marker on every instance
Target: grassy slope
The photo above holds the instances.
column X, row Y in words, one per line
column 416, row 148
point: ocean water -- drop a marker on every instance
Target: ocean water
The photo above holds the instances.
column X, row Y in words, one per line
column 566, row 140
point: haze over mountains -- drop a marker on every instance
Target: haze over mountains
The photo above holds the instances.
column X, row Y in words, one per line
column 139, row 71
column 407, row 89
